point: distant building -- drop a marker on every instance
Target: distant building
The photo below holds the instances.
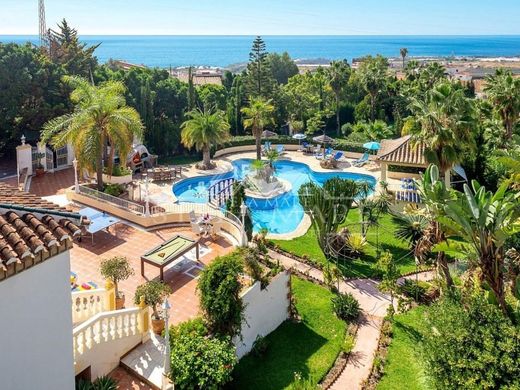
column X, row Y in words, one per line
column 200, row 76
column 125, row 65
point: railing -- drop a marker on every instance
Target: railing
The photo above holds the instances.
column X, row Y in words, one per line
column 86, row 304
column 127, row 327
column 221, row 191
column 118, row 202
column 201, row 209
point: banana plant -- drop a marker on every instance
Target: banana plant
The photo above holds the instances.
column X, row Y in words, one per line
column 435, row 195
column 478, row 223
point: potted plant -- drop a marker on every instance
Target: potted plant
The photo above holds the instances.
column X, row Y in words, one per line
column 117, row 269
column 154, row 293
column 40, row 170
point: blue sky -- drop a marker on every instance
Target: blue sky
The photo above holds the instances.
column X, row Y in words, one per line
column 268, row 17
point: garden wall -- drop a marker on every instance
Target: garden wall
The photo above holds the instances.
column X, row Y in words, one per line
column 265, row 309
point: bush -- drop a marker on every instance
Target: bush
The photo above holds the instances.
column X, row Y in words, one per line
column 118, row 170
column 101, row 383
column 356, row 244
column 191, row 328
column 414, row 290
column 114, row 189
column 219, row 289
column 199, row 362
column 404, row 169
column 154, row 292
column 346, row 306
column 472, row 345
column 348, row 343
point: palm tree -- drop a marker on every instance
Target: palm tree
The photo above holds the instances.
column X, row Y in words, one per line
column 410, row 227
column 404, row 52
column 504, row 92
column 258, row 115
column 339, row 74
column 100, row 117
column 446, row 118
column 478, row 224
column 204, row 129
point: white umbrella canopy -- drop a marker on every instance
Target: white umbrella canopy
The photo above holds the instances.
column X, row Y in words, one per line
column 299, row 137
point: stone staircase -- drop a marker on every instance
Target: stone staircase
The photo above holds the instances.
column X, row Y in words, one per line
column 146, row 361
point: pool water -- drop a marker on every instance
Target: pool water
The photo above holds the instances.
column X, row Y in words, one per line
column 278, row 215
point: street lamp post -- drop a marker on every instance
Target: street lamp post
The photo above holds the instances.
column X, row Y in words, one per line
column 166, row 366
column 76, row 183
column 416, row 278
column 243, row 211
column 146, row 196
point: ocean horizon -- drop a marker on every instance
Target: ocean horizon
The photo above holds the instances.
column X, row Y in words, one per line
column 221, row 51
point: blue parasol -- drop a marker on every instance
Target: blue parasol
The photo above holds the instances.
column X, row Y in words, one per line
column 372, row 145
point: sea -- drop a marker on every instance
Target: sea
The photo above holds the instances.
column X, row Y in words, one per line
column 222, row 51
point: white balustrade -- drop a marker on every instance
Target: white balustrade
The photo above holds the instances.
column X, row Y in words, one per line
column 86, row 304
column 106, row 327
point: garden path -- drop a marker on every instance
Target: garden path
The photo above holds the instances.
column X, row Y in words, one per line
column 374, row 305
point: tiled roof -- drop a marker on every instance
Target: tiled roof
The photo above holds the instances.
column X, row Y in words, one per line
column 30, row 237
column 401, row 151
column 12, row 195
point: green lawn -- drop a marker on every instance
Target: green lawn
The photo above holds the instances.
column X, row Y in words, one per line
column 404, row 363
column 309, row 347
column 363, row 267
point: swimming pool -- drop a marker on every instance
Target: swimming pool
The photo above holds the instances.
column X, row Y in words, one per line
column 278, row 215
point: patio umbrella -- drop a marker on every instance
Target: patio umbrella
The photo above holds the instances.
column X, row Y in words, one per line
column 299, row 137
column 268, row 134
column 324, row 139
column 372, row 145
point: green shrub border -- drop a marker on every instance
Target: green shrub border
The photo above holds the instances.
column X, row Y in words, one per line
column 243, row 140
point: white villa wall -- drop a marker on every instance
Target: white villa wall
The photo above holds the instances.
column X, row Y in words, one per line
column 24, row 158
column 36, row 328
column 264, row 311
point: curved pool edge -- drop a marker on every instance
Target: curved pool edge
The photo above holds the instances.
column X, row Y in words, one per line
column 302, row 228
column 305, row 223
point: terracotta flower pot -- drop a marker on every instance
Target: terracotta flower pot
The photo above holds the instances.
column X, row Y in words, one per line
column 120, row 302
column 157, row 326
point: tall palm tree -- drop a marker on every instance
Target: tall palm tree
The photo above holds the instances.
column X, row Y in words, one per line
column 446, row 119
column 503, row 90
column 404, row 52
column 100, row 117
column 338, row 74
column 204, row 129
column 258, row 115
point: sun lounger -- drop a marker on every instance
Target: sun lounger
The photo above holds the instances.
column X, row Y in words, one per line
column 280, row 149
column 361, row 161
column 267, row 147
column 338, row 156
